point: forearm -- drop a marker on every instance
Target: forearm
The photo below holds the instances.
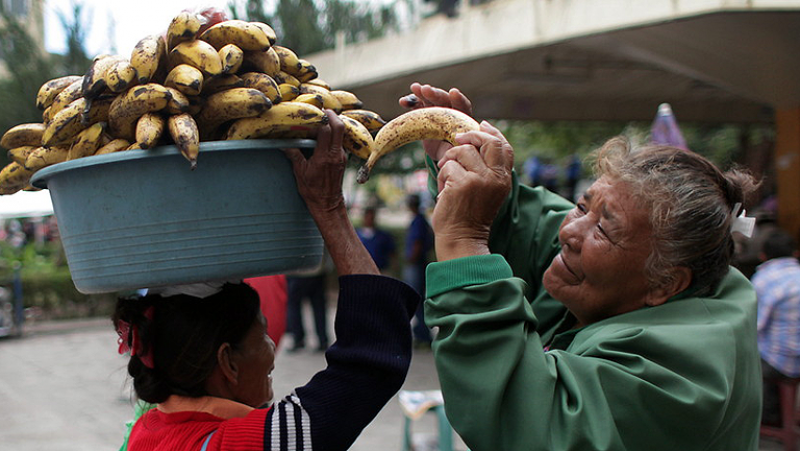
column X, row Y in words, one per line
column 341, row 240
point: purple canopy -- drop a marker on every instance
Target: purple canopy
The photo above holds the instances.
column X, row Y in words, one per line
column 665, row 129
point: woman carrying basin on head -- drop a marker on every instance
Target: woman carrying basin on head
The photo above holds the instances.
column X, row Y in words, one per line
column 613, row 324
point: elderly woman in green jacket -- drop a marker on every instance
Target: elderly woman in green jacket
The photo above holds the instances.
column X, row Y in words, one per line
column 613, row 324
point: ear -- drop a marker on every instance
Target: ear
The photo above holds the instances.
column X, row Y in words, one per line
column 227, row 365
column 681, row 278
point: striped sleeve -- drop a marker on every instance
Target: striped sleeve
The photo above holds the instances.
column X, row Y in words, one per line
column 288, row 427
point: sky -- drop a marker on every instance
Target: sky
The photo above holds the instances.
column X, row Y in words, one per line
column 116, row 25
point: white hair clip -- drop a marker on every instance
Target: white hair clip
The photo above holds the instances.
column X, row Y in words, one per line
column 198, row 290
column 741, row 223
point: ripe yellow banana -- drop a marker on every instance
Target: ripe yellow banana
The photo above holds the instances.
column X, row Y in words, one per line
column 424, row 123
column 347, row 99
column 231, row 104
column 356, row 139
column 329, row 101
column 29, row 134
column 116, row 145
column 268, row 31
column 282, row 116
column 199, row 54
column 290, row 63
column 306, row 72
column 178, row 102
column 149, row 129
column 312, row 99
column 372, row 120
column 87, row 142
column 263, row 61
column 318, row 82
column 221, row 83
column 120, row 75
column 42, row 157
column 50, row 89
column 14, row 177
column 184, row 132
column 94, row 81
column 65, row 125
column 146, row 57
column 283, row 77
column 182, row 28
column 263, row 83
column 186, row 79
column 96, row 110
column 129, row 106
column 70, row 94
column 232, row 58
column 245, row 35
column 20, row 154
column 288, row 92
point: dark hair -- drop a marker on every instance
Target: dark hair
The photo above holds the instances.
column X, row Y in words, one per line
column 779, row 244
column 691, row 204
column 184, row 335
column 413, row 201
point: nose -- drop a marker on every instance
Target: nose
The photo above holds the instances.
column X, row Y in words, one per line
column 572, row 232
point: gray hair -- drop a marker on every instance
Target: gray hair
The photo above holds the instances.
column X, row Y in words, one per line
column 691, row 204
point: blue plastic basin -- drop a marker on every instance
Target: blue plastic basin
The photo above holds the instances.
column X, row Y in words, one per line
column 142, row 218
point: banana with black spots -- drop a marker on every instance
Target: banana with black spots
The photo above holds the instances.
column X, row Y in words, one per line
column 183, row 129
column 94, row 81
column 199, row 54
column 87, row 142
column 263, row 83
column 288, row 92
column 129, row 106
column 120, row 75
column 290, row 63
column 42, row 157
column 347, row 99
column 425, row 123
column 186, row 79
column 149, row 129
column 183, row 28
column 29, row 134
column 329, row 101
column 50, row 89
column 221, row 83
column 245, row 35
column 70, row 94
column 148, row 56
column 20, row 154
column 14, row 177
column 312, row 99
column 65, row 125
column 281, row 117
column 232, row 58
column 372, row 120
column 116, row 145
column 266, row 61
column 356, row 139
column 231, row 104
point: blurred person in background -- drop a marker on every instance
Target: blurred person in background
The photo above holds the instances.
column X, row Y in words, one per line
column 379, row 243
column 419, row 243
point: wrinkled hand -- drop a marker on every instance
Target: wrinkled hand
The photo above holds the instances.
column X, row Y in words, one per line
column 319, row 178
column 427, row 96
column 474, row 180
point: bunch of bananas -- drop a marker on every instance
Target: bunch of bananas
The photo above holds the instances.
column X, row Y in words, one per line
column 199, row 82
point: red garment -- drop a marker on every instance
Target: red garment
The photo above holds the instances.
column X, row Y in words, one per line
column 272, row 292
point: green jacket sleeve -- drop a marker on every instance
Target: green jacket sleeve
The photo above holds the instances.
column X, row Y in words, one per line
column 683, row 375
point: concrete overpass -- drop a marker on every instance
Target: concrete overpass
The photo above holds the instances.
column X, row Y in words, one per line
column 713, row 60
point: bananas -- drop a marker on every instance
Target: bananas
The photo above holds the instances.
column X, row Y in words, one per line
column 263, row 83
column 232, row 104
column 232, row 58
column 266, row 62
column 183, row 28
column 347, row 99
column 245, row 35
column 45, row 156
column 20, row 154
column 149, row 129
column 49, row 90
column 116, row 145
column 281, row 117
column 328, row 100
column 14, row 177
column 372, row 120
column 199, row 54
column 23, row 135
column 289, row 61
column 119, row 76
column 184, row 132
column 186, row 79
column 128, row 107
column 147, row 56
column 87, row 142
column 356, row 139
column 424, row 123
column 95, row 79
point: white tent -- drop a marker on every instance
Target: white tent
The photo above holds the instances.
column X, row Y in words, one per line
column 26, row 204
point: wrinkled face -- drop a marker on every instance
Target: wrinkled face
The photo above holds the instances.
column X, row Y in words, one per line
column 605, row 242
column 255, row 358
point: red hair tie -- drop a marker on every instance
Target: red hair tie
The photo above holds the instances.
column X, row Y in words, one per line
column 129, row 340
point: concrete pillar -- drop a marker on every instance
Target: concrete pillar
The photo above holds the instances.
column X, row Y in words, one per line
column 787, row 168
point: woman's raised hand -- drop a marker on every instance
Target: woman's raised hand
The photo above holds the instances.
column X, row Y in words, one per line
column 426, row 96
column 474, row 180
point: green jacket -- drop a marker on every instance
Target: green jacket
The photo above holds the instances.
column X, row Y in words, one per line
column 681, row 376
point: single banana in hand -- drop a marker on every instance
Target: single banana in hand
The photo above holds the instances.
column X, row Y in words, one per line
column 146, row 57
column 149, row 129
column 312, row 99
column 95, row 81
column 424, row 123
column 290, row 63
column 20, row 154
column 232, row 58
column 199, row 54
column 50, row 89
column 184, row 132
column 263, row 61
column 329, row 101
column 120, row 75
column 282, row 116
column 372, row 120
column 14, row 177
column 46, row 156
column 232, row 104
column 221, row 83
column 182, row 28
column 129, row 106
column 87, row 142
column 29, row 134
column 186, row 79
column 348, row 100
column 263, row 83
column 288, row 92
column 356, row 139
column 116, row 145
column 245, row 35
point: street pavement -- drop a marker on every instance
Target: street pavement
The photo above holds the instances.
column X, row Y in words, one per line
column 64, row 387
